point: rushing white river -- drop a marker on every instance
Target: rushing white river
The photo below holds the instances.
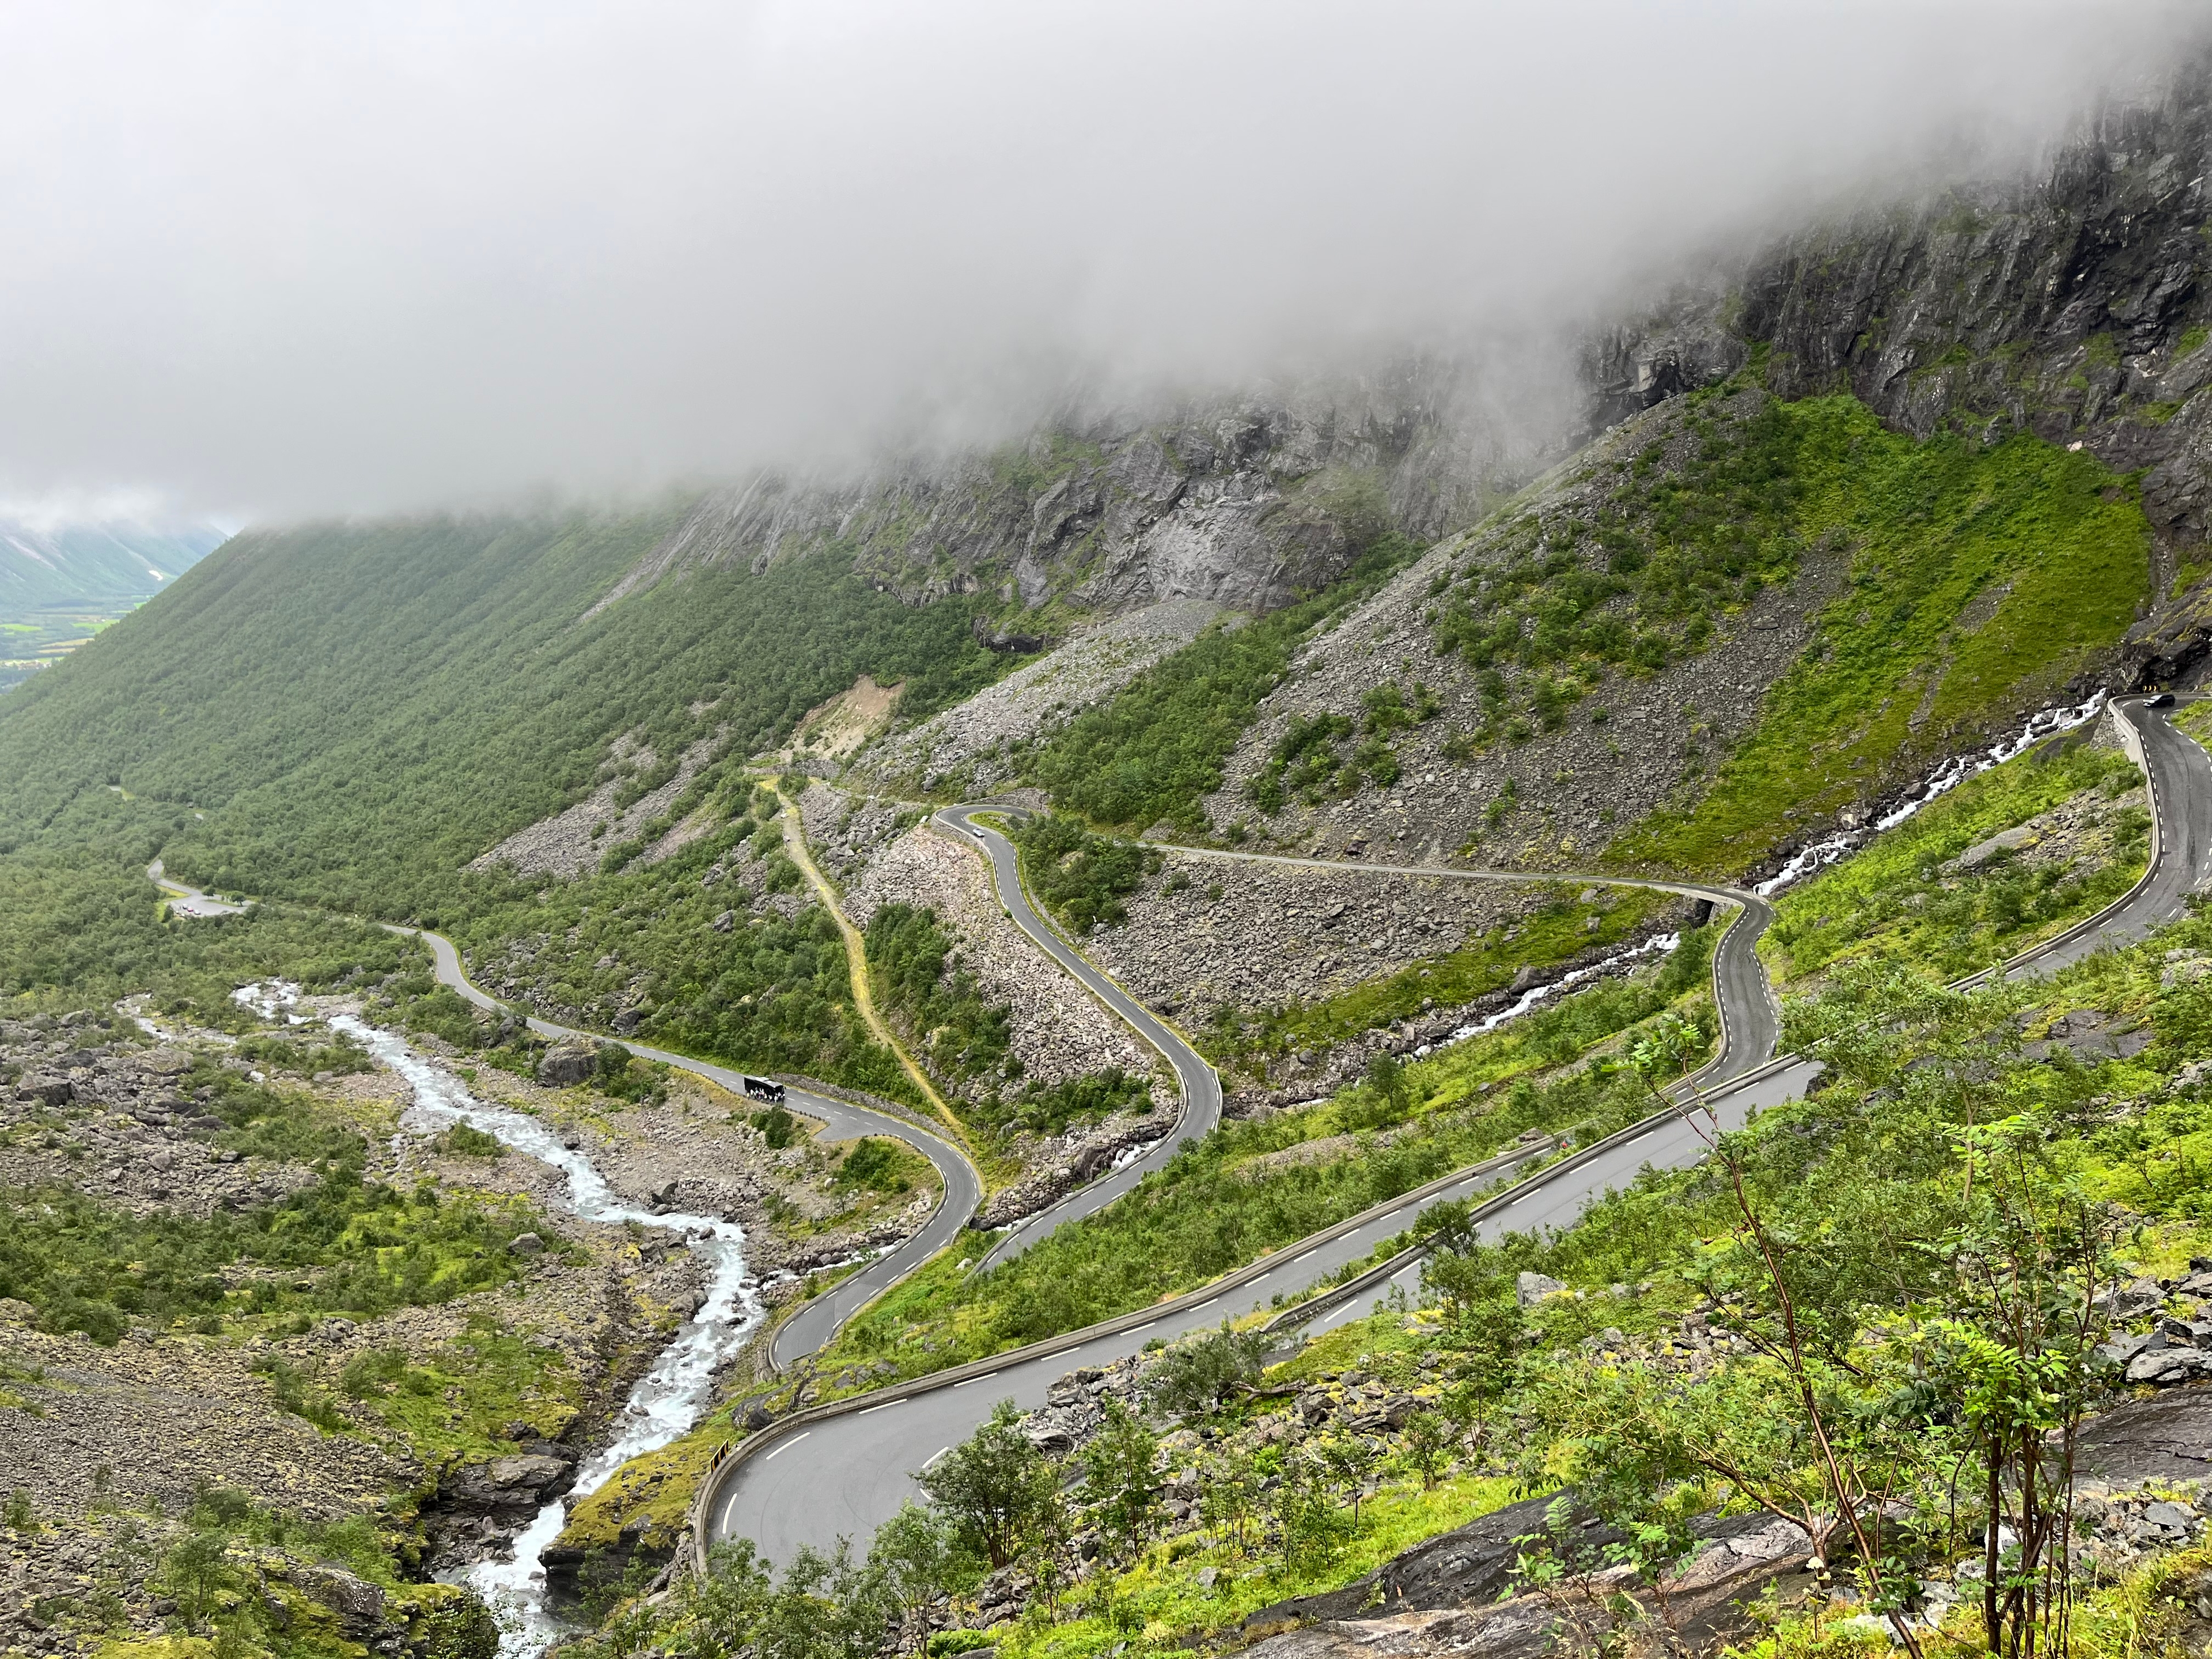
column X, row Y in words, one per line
column 667, row 1401
column 2045, row 723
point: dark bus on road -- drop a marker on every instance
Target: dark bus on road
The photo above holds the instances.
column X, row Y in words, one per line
column 763, row 1088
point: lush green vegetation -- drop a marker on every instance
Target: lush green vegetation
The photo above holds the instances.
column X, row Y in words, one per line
column 81, row 926
column 965, row 1041
column 2052, row 546
column 345, row 1245
column 1155, row 750
column 1079, row 876
column 919, row 976
column 1674, row 547
column 1902, row 898
column 1890, row 1258
column 1309, row 759
column 762, row 992
column 340, row 701
column 1227, row 1202
column 232, row 1574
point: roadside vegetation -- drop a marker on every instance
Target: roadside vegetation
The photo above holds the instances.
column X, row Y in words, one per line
column 82, row 925
column 964, row 1041
column 1835, row 1304
column 685, row 956
column 1557, row 932
column 1252, row 1187
column 1911, row 895
column 1083, row 878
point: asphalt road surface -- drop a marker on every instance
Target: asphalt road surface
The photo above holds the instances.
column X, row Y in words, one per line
column 819, row 1320
column 844, row 1475
column 2181, row 801
column 1201, row 1087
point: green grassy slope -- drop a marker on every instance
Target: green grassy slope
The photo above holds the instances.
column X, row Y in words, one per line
column 1980, row 581
column 1902, row 898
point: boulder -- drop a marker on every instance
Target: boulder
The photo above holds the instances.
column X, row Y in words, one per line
column 2005, row 840
column 525, row 1244
column 1530, row 1289
column 358, row 1603
column 47, row 1091
column 2131, row 1300
column 567, row 1063
column 520, row 1480
column 2164, row 1367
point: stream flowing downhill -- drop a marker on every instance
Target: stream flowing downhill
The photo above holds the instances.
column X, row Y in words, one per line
column 2045, row 723
column 665, row 1403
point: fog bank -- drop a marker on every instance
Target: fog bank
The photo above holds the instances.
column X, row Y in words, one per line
column 274, row 260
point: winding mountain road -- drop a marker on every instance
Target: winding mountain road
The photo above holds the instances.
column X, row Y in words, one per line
column 842, row 1470
column 860, row 1454
column 1201, row 1085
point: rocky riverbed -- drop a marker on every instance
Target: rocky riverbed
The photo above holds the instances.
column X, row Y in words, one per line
column 451, row 1418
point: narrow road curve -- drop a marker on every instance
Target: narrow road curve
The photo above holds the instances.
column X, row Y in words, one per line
column 856, row 959
column 859, row 1455
column 813, row 1325
column 1751, row 1019
column 1201, row 1086
column 2180, row 775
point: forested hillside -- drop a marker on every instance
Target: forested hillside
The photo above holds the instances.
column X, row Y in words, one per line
column 353, row 713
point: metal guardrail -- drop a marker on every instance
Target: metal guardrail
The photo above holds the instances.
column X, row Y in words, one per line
column 733, row 1455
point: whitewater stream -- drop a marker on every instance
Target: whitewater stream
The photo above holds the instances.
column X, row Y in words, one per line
column 667, row 1401
column 2046, row 723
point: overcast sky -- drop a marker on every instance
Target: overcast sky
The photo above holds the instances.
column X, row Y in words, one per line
column 265, row 260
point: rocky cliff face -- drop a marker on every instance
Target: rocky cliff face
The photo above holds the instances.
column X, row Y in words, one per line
column 2070, row 302
column 1244, row 502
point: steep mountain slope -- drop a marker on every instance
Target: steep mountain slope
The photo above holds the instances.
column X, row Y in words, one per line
column 353, row 713
column 1954, row 468
column 99, row 564
column 1734, row 617
column 1247, row 502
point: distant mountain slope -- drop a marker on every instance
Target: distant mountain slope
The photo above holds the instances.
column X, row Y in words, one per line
column 94, row 565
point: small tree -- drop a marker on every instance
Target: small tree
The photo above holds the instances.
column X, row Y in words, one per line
column 993, row 1488
column 2014, row 1365
column 1349, row 1460
column 1386, row 1083
column 1227, row 1497
column 723, row 1608
column 1194, row 1377
column 915, row 1554
column 1425, row 1445
column 197, row 1571
column 1311, row 1527
column 1120, row 1475
column 827, row 1606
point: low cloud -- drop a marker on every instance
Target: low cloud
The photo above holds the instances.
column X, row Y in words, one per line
column 280, row 259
